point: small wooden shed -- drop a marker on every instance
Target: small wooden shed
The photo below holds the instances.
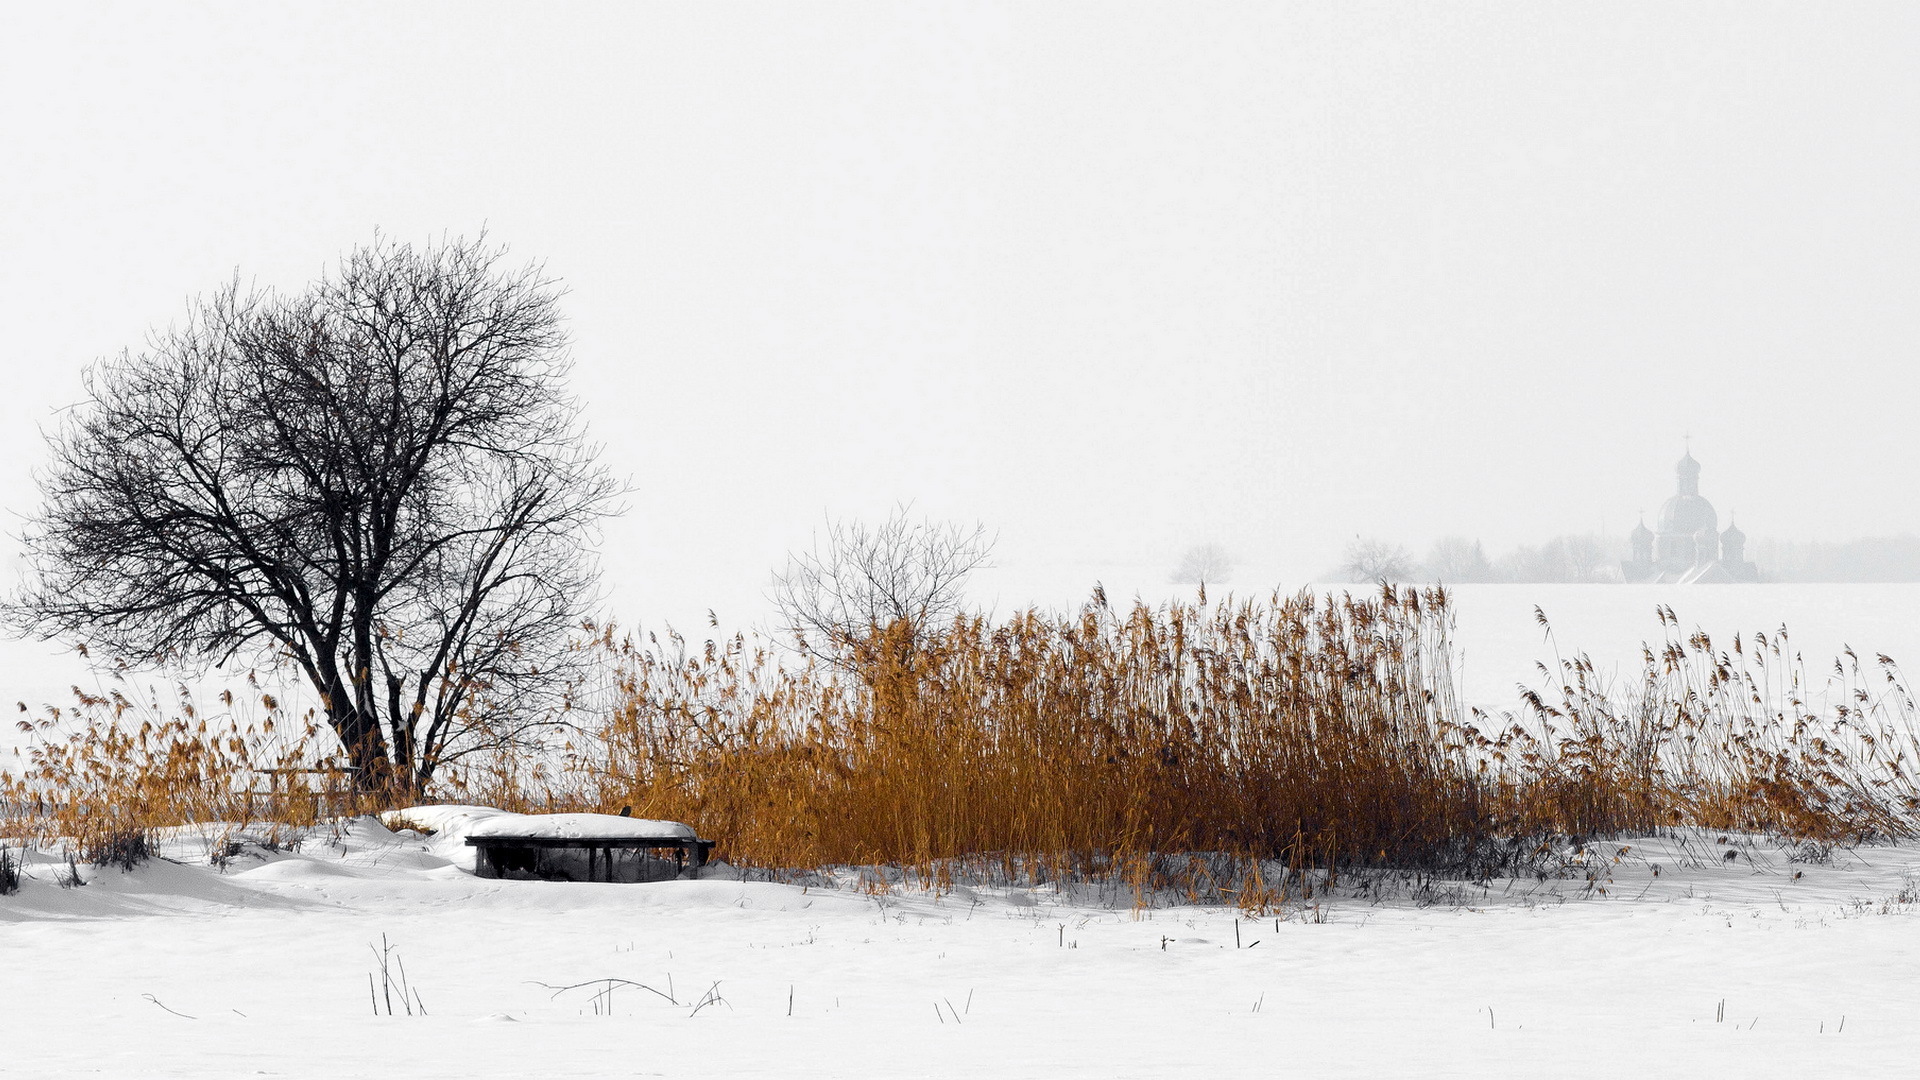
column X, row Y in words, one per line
column 585, row 847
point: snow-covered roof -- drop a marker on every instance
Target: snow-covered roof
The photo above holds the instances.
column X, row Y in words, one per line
column 455, row 821
column 575, row 826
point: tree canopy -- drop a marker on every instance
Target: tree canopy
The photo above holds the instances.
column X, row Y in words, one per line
column 379, row 480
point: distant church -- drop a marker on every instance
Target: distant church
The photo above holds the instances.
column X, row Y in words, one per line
column 1689, row 548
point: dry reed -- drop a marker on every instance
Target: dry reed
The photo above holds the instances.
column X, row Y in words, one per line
column 1307, row 730
column 103, row 774
column 1190, row 746
column 1740, row 738
column 1310, row 730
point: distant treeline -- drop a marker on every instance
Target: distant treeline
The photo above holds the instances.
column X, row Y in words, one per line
column 1593, row 558
column 1879, row 558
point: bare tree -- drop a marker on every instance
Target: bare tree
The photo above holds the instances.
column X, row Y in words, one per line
column 1577, row 558
column 1455, row 560
column 378, row 480
column 1204, row 564
column 1376, row 561
column 863, row 585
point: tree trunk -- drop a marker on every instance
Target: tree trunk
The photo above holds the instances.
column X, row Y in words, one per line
column 366, row 748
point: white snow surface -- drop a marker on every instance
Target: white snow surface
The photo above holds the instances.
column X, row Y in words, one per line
column 459, row 822
column 1674, row 960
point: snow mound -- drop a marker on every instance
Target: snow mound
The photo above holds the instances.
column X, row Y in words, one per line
column 299, row 869
column 449, row 821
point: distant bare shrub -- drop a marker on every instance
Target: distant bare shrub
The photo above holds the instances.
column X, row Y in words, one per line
column 1456, row 560
column 1576, row 558
column 864, row 590
column 1377, row 562
column 1875, row 559
column 1204, row 564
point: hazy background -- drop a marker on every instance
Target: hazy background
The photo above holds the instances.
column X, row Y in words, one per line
column 1113, row 279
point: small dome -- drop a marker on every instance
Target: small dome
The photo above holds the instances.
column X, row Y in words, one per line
column 1641, row 532
column 1733, row 533
column 1685, row 515
column 1687, row 466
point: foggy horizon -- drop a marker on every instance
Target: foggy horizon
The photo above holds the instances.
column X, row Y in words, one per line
column 1264, row 277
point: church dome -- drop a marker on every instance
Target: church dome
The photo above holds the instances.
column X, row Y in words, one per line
column 1641, row 532
column 1684, row 515
column 1733, row 534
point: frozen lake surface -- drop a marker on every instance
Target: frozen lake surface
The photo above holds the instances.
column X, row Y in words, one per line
column 1675, row 962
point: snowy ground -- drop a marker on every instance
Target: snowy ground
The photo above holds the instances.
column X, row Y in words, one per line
column 1709, row 968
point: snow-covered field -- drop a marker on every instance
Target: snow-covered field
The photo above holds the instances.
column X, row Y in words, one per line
column 1759, row 966
column 1756, row 966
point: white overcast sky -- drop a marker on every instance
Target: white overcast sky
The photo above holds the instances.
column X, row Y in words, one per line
column 1113, row 279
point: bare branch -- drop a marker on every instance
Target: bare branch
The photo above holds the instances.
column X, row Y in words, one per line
column 907, row 575
column 379, row 480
